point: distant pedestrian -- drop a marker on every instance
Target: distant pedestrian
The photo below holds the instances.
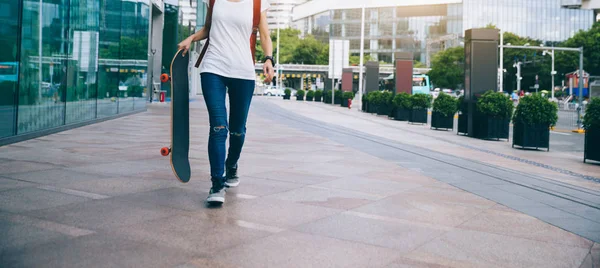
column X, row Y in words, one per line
column 515, row 97
column 228, row 67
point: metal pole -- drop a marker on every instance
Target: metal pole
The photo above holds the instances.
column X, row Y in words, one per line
column 501, row 60
column 362, row 52
column 278, row 65
column 581, row 77
column 333, row 75
column 519, row 76
column 552, row 74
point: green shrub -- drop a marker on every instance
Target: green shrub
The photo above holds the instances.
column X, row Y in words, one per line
column 338, row 94
column 348, row 95
column 536, row 109
column 310, row 94
column 445, row 104
column 374, row 97
column 495, row 104
column 592, row 115
column 287, row 92
column 327, row 97
column 420, row 101
column 402, row 101
column 559, row 94
column 300, row 93
column 318, row 93
column 387, row 98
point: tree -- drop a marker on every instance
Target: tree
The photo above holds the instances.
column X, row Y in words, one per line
column 355, row 59
column 290, row 38
column 447, row 68
column 567, row 62
column 307, row 51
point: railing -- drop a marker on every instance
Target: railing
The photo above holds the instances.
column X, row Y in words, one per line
column 384, row 69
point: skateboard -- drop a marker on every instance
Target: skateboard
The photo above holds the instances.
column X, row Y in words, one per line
column 180, row 117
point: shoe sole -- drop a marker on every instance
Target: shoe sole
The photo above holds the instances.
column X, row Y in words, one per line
column 216, row 200
column 232, row 185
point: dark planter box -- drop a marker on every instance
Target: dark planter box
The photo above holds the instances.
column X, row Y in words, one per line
column 309, row 98
column 438, row 121
column 418, row 116
column 372, row 109
column 286, row 97
column 531, row 136
column 402, row 114
column 298, row 98
column 338, row 101
column 345, row 103
column 491, row 128
column 364, row 106
column 592, row 145
column 383, row 110
column 318, row 99
column 463, row 124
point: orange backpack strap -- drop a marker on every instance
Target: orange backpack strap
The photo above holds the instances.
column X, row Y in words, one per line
column 211, row 5
column 255, row 22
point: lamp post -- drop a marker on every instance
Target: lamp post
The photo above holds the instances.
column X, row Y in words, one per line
column 553, row 72
column 278, row 65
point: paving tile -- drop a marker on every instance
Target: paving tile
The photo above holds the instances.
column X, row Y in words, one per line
column 183, row 197
column 448, row 207
column 9, row 167
column 56, row 176
column 261, row 187
column 276, row 212
column 16, row 236
column 194, row 232
column 7, row 184
column 118, row 186
column 302, row 177
column 327, row 197
column 520, row 225
column 122, row 168
column 400, row 235
column 101, row 250
column 463, row 248
column 369, row 186
column 595, row 253
column 27, row 199
column 291, row 249
column 104, row 214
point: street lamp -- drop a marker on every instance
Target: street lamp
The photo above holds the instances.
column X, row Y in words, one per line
column 519, row 78
column 553, row 72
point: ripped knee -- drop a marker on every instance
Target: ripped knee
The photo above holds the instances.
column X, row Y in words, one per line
column 237, row 134
column 219, row 131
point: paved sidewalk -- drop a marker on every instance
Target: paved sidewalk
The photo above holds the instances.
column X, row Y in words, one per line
column 102, row 196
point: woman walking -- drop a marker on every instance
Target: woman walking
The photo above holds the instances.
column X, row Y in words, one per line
column 228, row 67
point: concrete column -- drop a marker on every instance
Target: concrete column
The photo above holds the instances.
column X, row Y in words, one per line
column 404, row 71
column 372, row 76
column 481, row 67
column 156, row 38
column 347, row 79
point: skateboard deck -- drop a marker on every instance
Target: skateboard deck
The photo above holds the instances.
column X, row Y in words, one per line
column 180, row 117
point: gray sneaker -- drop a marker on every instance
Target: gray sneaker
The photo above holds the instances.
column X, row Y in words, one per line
column 231, row 178
column 216, row 197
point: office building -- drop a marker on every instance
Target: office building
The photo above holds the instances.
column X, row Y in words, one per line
column 424, row 27
column 66, row 63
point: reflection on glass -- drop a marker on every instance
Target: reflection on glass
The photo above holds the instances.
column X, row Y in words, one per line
column 82, row 89
column 44, row 75
column 8, row 66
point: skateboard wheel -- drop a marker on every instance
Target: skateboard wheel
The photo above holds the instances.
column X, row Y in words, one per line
column 165, row 151
column 164, row 78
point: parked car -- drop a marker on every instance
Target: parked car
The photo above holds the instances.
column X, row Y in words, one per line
column 273, row 91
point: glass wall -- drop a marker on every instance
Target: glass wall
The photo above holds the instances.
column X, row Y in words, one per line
column 75, row 60
column 9, row 36
column 543, row 20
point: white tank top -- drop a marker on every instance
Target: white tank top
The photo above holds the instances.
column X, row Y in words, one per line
column 228, row 52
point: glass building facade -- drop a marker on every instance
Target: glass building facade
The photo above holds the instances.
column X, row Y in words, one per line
column 70, row 61
column 409, row 28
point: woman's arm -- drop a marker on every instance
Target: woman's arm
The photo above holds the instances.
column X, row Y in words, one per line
column 199, row 35
column 267, row 46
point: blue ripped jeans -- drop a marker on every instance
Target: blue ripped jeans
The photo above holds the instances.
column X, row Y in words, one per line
column 214, row 88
